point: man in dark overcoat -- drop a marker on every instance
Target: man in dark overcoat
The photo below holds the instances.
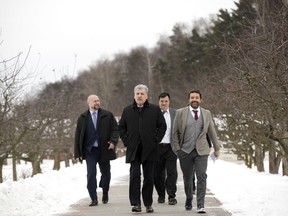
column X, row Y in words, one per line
column 96, row 138
column 141, row 127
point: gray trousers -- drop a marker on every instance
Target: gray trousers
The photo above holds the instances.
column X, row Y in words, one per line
column 189, row 162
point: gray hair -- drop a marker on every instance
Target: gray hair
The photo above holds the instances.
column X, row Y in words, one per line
column 141, row 86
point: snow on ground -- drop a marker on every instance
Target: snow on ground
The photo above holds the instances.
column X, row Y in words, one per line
column 243, row 191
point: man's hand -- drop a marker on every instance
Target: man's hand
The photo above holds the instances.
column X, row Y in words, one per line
column 111, row 145
column 217, row 154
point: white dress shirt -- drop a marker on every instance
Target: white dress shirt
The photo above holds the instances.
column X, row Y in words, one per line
column 167, row 136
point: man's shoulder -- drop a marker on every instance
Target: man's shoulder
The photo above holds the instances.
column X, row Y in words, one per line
column 84, row 114
column 154, row 105
column 204, row 110
column 105, row 112
column 130, row 106
column 182, row 109
column 172, row 110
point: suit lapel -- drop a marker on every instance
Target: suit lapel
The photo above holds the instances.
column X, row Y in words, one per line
column 172, row 116
column 204, row 114
column 184, row 118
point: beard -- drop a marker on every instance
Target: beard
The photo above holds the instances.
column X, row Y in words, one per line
column 95, row 107
column 194, row 104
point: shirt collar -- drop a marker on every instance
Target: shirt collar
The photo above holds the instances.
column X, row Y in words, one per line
column 91, row 112
column 167, row 111
column 191, row 109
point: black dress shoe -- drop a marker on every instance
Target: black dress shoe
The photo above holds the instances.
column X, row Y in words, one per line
column 105, row 198
column 161, row 200
column 94, row 202
column 136, row 208
column 188, row 204
column 172, row 201
column 149, row 209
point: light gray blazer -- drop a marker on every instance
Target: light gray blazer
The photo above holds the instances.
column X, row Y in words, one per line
column 179, row 127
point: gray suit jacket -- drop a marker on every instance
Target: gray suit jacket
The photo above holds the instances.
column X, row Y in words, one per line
column 172, row 115
column 179, row 128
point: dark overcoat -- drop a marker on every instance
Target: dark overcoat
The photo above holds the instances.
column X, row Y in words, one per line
column 107, row 131
column 147, row 127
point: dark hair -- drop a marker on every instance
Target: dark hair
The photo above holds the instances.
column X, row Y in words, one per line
column 195, row 91
column 164, row 94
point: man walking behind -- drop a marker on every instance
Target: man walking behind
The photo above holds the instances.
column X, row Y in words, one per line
column 165, row 170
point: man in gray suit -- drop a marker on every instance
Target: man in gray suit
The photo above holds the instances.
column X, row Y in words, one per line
column 165, row 170
column 189, row 142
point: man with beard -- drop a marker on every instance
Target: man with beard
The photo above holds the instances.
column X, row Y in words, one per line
column 189, row 142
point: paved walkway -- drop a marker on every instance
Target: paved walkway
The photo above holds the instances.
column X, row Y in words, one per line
column 119, row 203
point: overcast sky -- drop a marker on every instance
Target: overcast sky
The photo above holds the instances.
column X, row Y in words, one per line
column 68, row 36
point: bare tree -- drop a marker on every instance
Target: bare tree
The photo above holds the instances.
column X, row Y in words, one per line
column 257, row 84
column 11, row 86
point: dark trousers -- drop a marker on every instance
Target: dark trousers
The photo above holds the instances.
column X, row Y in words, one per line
column 188, row 163
column 165, row 172
column 193, row 181
column 135, row 182
column 92, row 158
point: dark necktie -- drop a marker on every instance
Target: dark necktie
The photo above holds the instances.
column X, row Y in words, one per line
column 163, row 112
column 195, row 114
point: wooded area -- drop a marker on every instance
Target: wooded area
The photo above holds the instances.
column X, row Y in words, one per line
column 239, row 60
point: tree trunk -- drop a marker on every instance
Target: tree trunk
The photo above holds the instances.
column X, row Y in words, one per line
column 284, row 145
column 67, row 158
column 56, row 161
column 248, row 161
column 1, row 170
column 273, row 162
column 36, row 168
column 259, row 157
column 14, row 169
column 285, row 166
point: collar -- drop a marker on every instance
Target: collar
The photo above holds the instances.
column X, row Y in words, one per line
column 91, row 112
column 167, row 111
column 134, row 105
column 191, row 109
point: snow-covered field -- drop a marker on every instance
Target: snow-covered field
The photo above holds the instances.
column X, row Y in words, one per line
column 243, row 191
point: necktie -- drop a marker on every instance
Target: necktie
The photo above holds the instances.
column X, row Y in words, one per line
column 163, row 112
column 94, row 119
column 195, row 114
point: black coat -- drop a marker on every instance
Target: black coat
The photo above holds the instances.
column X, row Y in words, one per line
column 107, row 131
column 147, row 127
